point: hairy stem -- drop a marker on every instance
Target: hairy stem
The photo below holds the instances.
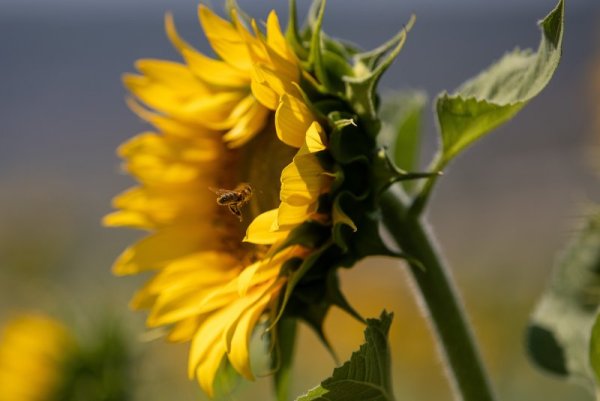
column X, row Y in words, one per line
column 447, row 314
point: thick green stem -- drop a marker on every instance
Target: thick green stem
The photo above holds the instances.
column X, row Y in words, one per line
column 442, row 300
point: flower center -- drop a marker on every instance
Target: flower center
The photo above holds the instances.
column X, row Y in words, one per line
column 260, row 164
column 257, row 164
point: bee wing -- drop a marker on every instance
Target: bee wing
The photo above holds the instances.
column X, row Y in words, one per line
column 219, row 191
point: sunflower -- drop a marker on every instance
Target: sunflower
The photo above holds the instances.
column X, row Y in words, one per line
column 238, row 120
column 281, row 131
column 33, row 352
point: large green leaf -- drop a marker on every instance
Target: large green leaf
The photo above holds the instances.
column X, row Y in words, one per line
column 561, row 327
column 366, row 376
column 498, row 93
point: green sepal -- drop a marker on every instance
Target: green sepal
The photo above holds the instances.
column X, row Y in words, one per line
column 343, row 225
column 312, row 16
column 315, row 295
column 361, row 88
column 292, row 34
column 232, row 5
column 316, row 62
column 313, row 314
column 226, row 381
column 344, row 49
column 283, row 356
column 324, row 107
column 367, row 375
column 559, row 333
column 341, row 220
column 335, row 296
column 498, row 93
column 366, row 239
column 367, row 61
column 337, row 69
column 296, row 274
column 348, row 142
column 309, row 234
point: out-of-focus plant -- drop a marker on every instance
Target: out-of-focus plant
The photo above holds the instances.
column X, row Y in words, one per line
column 273, row 165
column 563, row 337
column 42, row 359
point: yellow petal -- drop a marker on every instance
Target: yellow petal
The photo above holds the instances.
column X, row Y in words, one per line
column 123, row 218
column 314, row 138
column 149, row 207
column 184, row 330
column 170, row 126
column 276, row 40
column 292, row 120
column 212, row 71
column 302, row 181
column 171, row 307
column 175, row 75
column 158, row 249
column 264, row 270
column 225, row 39
column 215, row 72
column 247, row 126
column 208, row 368
column 239, row 335
column 262, row 91
column 290, row 215
column 210, row 336
column 259, row 231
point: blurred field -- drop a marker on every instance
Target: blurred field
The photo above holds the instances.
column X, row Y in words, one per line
column 501, row 212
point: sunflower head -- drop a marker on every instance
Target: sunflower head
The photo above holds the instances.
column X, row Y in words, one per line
column 41, row 359
column 258, row 180
column 34, row 350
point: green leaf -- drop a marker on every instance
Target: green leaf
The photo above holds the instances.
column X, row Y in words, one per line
column 558, row 338
column 498, row 93
column 401, row 130
column 366, row 376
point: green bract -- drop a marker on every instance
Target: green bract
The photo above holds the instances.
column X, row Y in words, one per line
column 340, row 87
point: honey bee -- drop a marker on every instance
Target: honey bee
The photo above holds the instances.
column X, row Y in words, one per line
column 234, row 199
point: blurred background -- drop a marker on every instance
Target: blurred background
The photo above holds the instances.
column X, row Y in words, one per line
column 501, row 212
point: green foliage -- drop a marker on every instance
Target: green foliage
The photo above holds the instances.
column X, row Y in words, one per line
column 366, row 376
column 595, row 349
column 498, row 93
column 401, row 131
column 494, row 97
column 561, row 327
column 100, row 369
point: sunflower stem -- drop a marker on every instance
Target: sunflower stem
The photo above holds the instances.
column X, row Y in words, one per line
column 437, row 289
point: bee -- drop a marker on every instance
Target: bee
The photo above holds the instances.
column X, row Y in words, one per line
column 234, row 199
